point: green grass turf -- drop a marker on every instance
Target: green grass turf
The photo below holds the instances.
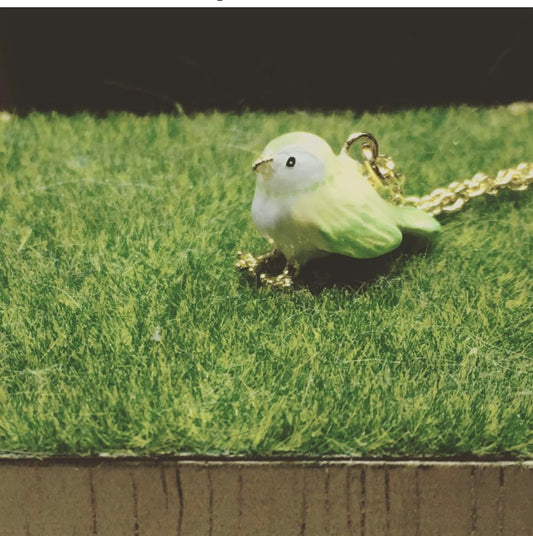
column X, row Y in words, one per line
column 124, row 326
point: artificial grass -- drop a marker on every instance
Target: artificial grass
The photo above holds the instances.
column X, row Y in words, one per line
column 126, row 328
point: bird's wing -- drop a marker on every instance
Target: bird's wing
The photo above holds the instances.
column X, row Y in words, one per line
column 347, row 216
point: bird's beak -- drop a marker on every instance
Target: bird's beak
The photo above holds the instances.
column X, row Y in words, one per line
column 262, row 160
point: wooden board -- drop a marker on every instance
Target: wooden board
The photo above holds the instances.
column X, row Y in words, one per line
column 237, row 497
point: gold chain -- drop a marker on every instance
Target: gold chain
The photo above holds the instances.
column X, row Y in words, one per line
column 455, row 195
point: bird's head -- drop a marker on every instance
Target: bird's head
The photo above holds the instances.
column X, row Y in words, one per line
column 293, row 162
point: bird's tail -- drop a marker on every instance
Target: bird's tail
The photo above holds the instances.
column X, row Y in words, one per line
column 415, row 221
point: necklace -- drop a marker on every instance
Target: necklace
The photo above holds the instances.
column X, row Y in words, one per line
column 379, row 172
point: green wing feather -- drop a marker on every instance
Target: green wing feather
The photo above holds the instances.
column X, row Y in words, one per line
column 347, row 216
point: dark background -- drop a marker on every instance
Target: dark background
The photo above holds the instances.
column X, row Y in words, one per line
column 146, row 60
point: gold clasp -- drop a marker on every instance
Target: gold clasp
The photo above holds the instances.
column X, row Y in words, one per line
column 369, row 149
column 380, row 166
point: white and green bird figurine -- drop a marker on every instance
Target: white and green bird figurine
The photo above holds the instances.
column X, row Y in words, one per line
column 310, row 202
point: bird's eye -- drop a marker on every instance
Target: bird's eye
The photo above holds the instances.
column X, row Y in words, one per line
column 291, row 161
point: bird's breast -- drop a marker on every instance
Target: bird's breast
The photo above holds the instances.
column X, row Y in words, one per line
column 270, row 213
column 273, row 216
